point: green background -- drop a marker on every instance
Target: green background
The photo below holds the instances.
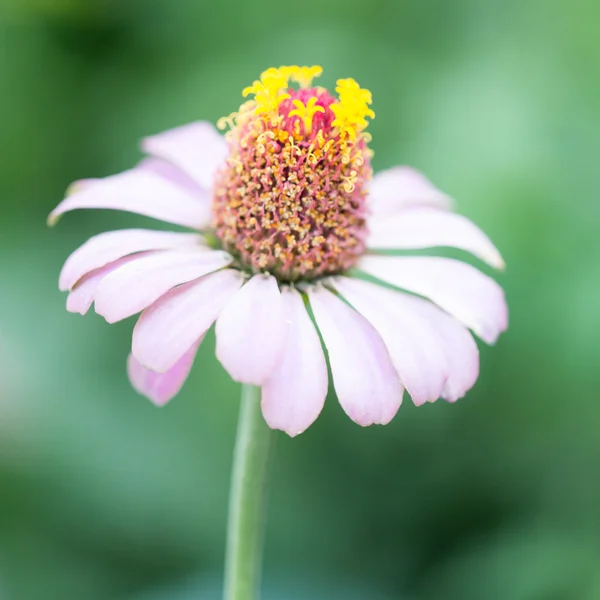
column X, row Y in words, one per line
column 105, row 497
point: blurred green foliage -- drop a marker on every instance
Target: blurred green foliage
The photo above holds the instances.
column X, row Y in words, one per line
column 104, row 497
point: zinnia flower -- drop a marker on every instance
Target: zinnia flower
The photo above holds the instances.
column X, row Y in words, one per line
column 288, row 221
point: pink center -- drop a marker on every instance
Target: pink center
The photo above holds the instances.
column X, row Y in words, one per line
column 291, row 201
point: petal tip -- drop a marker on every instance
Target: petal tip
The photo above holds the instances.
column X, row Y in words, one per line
column 157, row 401
column 110, row 319
column 293, row 432
column 75, row 307
column 279, row 425
column 497, row 261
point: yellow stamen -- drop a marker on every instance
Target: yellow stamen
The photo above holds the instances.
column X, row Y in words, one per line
column 306, row 113
column 304, row 76
column 351, row 110
column 269, row 91
column 351, row 113
column 350, row 89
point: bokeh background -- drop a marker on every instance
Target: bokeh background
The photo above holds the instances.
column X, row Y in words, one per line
column 104, row 497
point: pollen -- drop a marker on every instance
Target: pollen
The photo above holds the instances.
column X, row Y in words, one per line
column 290, row 199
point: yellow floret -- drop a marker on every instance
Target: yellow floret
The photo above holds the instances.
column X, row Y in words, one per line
column 352, row 109
column 306, row 113
column 269, row 92
column 304, row 76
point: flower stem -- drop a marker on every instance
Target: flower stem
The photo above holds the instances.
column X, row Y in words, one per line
column 247, row 500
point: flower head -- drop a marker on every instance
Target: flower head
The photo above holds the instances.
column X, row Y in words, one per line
column 284, row 214
column 290, row 199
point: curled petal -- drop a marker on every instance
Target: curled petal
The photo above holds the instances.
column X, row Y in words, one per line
column 161, row 387
column 137, row 285
column 428, row 228
column 250, row 331
column 475, row 299
column 294, row 395
column 166, row 330
column 197, row 148
column 399, row 188
column 414, row 346
column 364, row 378
column 138, row 191
column 108, row 247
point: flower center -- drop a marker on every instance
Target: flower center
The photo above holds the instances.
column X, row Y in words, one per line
column 290, row 199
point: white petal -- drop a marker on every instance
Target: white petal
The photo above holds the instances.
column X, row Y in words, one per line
column 82, row 295
column 161, row 387
column 138, row 284
column 139, row 191
column 197, row 148
column 428, row 228
column 399, row 188
column 107, row 247
column 364, row 378
column 475, row 299
column 414, row 346
column 294, row 395
column 250, row 331
column 166, row 330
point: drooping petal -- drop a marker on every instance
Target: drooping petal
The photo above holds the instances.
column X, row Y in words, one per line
column 161, row 387
column 364, row 378
column 413, row 344
column 168, row 328
column 294, row 395
column 399, row 188
column 83, row 293
column 136, row 286
column 475, row 299
column 458, row 346
column 251, row 331
column 139, row 191
column 197, row 148
column 428, row 228
column 107, row 247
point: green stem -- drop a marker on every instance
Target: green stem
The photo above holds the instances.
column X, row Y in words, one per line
column 243, row 558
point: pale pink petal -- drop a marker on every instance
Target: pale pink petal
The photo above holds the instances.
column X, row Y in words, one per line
column 364, row 378
column 428, row 228
column 399, row 188
column 175, row 175
column 168, row 328
column 457, row 343
column 250, row 331
column 139, row 191
column 81, row 184
column 137, row 285
column 197, row 148
column 414, row 346
column 294, row 395
column 160, row 167
column 475, row 299
column 82, row 295
column 161, row 387
column 107, row 247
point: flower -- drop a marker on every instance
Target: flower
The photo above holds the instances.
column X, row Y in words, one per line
column 285, row 217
